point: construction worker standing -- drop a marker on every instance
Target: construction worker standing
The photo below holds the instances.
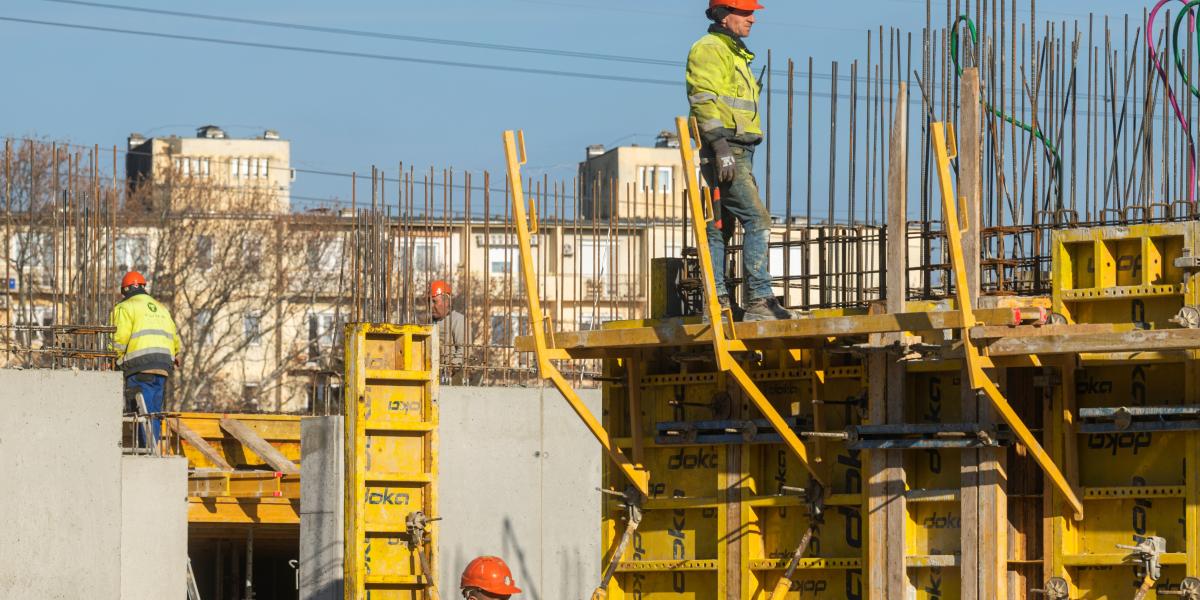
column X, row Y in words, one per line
column 488, row 578
column 724, row 97
column 452, row 330
column 146, row 344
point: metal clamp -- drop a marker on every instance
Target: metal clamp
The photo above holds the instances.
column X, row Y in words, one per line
column 1188, row 317
column 1056, row 589
column 1189, row 589
column 1147, row 554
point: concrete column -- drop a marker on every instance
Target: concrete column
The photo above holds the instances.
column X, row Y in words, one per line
column 322, row 537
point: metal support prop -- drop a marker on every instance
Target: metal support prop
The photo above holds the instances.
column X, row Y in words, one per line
column 814, row 495
column 418, row 524
column 632, row 500
column 526, row 223
column 945, row 148
column 689, row 144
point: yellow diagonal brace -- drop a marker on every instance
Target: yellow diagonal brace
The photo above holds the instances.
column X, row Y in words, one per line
column 689, row 143
column 945, row 148
column 636, row 474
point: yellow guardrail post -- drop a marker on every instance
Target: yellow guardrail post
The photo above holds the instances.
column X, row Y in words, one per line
column 689, row 143
column 526, row 224
column 945, row 148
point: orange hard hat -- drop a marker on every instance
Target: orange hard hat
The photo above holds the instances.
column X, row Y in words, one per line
column 490, row 574
column 438, row 288
column 132, row 278
column 736, row 4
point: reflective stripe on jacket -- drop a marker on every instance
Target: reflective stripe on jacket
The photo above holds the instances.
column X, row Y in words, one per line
column 145, row 338
column 722, row 91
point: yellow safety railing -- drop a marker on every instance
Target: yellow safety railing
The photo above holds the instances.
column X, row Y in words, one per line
column 700, row 205
column 945, row 148
column 526, row 223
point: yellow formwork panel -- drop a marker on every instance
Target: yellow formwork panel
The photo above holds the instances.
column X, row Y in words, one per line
column 1137, row 483
column 716, row 524
column 1122, row 274
column 933, row 533
column 391, row 460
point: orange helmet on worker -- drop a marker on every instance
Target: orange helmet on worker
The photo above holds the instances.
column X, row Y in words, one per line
column 132, row 279
column 736, row 4
column 488, row 578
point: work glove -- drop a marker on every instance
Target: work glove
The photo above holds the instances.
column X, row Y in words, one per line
column 726, row 165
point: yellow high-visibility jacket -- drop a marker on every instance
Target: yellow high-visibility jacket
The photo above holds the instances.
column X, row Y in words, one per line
column 146, row 339
column 722, row 90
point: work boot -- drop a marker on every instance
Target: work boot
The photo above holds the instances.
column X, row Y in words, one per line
column 766, row 309
column 722, row 300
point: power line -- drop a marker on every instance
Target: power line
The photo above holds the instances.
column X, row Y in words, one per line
column 347, row 53
column 675, row 64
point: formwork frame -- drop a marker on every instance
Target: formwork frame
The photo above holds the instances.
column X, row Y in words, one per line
column 391, row 462
column 897, row 558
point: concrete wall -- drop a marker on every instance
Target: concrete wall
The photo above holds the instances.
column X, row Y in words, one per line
column 154, row 527
column 321, row 508
column 60, row 462
column 518, row 479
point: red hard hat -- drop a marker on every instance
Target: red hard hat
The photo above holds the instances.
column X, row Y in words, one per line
column 490, row 574
column 132, row 278
column 736, row 4
column 439, row 287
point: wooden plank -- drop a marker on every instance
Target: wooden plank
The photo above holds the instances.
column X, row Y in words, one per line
column 897, row 505
column 259, row 446
column 897, row 208
column 673, row 332
column 983, row 534
column 1128, row 341
column 194, row 440
column 877, row 484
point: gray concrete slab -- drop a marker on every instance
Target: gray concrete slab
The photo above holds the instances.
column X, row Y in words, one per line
column 518, row 479
column 322, row 537
column 61, row 460
column 154, row 527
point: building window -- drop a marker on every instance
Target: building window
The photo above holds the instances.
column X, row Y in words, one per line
column 656, row 179
column 323, row 334
column 263, row 164
column 204, row 167
column 245, row 167
column 324, row 255
column 204, row 252
column 505, row 329
column 664, row 180
column 133, row 253
column 250, row 395
column 251, row 326
column 426, row 255
column 202, row 323
column 33, row 250
column 235, row 168
column 593, row 258
column 500, row 261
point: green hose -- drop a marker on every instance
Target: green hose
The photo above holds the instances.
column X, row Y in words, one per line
column 1034, row 131
column 1178, row 52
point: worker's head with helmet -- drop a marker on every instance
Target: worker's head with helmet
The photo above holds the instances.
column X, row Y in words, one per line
column 439, row 299
column 488, row 578
column 735, row 16
column 133, row 283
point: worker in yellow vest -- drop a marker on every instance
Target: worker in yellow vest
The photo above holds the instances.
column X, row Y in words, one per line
column 724, row 97
column 146, row 343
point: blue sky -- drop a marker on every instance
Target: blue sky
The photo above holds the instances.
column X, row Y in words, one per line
column 343, row 113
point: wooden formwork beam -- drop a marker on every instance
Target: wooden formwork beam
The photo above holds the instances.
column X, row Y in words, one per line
column 270, row 454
